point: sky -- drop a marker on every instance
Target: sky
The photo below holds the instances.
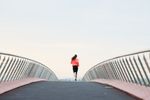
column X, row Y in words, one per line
column 52, row 31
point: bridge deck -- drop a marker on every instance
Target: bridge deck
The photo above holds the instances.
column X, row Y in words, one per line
column 65, row 91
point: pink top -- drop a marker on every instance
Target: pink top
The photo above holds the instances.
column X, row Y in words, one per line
column 75, row 62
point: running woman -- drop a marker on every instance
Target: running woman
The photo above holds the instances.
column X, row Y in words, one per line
column 75, row 65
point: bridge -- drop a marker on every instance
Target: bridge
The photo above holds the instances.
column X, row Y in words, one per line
column 124, row 77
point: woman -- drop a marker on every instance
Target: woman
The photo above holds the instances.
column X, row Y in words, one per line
column 75, row 65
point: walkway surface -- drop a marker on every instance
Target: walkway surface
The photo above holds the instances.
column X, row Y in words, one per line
column 65, row 91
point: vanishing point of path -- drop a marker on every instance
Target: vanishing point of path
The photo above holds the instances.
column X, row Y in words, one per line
column 65, row 91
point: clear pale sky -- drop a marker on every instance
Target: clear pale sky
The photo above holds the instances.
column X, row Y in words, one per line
column 52, row 31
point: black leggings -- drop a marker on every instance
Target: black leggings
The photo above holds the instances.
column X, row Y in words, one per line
column 75, row 69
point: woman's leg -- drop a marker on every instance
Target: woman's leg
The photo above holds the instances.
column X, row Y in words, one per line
column 75, row 76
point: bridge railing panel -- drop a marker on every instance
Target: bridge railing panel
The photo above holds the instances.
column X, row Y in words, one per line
column 134, row 68
column 13, row 67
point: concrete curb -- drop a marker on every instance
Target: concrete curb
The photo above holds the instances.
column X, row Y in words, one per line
column 135, row 90
column 7, row 86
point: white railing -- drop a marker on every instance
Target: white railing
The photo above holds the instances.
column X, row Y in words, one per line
column 14, row 67
column 134, row 68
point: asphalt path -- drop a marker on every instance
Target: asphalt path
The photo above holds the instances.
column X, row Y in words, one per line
column 65, row 91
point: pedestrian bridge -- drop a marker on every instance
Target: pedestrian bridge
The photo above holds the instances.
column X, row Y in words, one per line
column 124, row 77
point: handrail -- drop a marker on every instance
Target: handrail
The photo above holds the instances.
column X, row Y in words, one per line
column 13, row 67
column 134, row 68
